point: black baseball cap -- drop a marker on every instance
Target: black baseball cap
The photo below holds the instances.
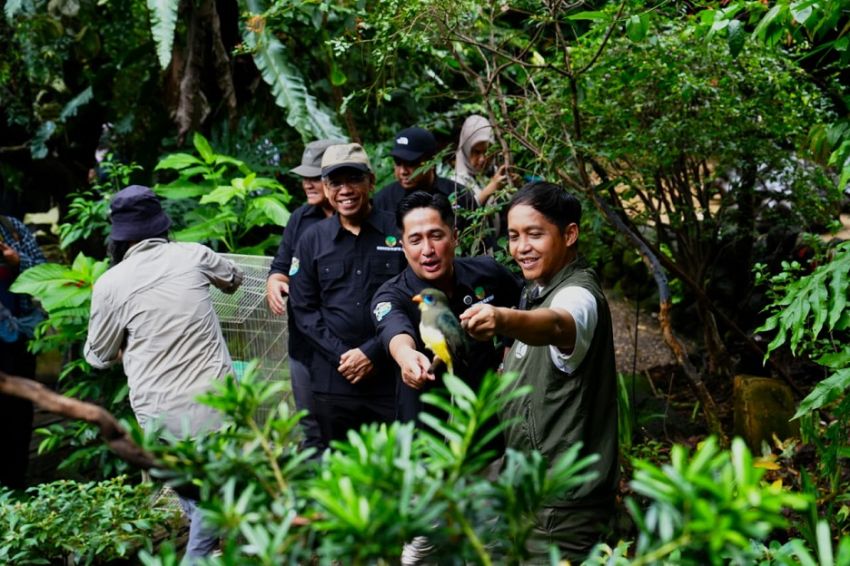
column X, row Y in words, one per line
column 414, row 145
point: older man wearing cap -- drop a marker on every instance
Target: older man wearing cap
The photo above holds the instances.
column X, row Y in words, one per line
column 413, row 147
column 152, row 311
column 338, row 265
column 317, row 208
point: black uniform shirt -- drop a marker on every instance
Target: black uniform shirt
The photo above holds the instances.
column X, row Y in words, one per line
column 460, row 197
column 332, row 279
column 303, row 217
column 477, row 280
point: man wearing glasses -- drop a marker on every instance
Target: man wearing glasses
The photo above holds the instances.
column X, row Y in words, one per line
column 413, row 148
column 338, row 265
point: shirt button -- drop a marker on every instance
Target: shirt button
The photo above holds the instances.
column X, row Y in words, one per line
column 359, row 272
column 358, row 303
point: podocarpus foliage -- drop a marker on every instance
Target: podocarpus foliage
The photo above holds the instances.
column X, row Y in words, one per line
column 368, row 496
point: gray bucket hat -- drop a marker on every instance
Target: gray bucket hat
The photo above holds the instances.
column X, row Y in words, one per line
column 311, row 159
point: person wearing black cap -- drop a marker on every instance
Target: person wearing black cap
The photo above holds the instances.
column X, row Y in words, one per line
column 18, row 315
column 338, row 265
column 152, row 312
column 317, row 208
column 413, row 147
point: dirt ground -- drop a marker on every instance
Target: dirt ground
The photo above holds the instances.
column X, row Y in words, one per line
column 651, row 349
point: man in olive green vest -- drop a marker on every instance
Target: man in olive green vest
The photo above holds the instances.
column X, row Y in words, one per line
column 564, row 349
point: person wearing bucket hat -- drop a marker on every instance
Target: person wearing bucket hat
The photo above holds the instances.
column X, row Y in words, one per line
column 152, row 312
column 315, row 209
column 412, row 148
column 338, row 265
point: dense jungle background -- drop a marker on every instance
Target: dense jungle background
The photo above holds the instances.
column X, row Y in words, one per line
column 708, row 141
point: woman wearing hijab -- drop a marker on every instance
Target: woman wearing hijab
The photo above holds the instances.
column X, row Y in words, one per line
column 471, row 161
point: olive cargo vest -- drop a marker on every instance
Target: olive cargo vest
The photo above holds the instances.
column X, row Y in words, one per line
column 563, row 408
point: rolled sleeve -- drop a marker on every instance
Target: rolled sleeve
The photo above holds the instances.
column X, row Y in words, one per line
column 222, row 272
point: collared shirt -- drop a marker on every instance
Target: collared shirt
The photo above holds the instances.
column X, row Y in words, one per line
column 155, row 306
column 23, row 242
column 460, row 197
column 332, row 279
column 300, row 220
column 476, row 280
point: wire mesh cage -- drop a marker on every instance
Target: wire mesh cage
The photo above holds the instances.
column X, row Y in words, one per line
column 251, row 330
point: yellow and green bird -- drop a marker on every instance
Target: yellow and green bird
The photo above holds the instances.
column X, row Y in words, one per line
column 439, row 327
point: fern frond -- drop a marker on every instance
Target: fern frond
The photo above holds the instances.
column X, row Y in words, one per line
column 163, row 24
column 304, row 113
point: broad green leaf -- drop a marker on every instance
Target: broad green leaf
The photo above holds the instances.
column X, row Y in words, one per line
column 271, row 207
column 180, row 190
column 736, row 36
column 637, row 26
column 163, row 15
column 836, row 360
column 178, row 161
column 204, row 148
column 222, row 195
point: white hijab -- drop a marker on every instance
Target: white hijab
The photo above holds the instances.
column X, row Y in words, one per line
column 475, row 129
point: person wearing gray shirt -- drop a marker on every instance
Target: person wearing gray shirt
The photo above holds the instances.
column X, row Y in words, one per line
column 152, row 312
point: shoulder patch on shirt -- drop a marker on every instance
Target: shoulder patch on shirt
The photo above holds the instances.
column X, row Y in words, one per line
column 294, row 266
column 382, row 309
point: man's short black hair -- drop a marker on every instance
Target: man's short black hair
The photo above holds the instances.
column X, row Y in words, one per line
column 423, row 199
column 552, row 201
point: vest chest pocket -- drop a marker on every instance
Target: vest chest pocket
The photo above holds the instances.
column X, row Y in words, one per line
column 331, row 270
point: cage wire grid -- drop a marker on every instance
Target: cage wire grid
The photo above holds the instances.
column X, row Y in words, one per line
column 251, row 330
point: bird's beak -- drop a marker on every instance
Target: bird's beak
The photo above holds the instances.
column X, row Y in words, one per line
column 417, row 298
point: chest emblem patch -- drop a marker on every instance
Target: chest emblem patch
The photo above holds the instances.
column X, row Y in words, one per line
column 295, row 266
column 521, row 349
column 382, row 309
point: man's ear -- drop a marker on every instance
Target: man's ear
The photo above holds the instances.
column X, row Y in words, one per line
column 571, row 234
column 455, row 237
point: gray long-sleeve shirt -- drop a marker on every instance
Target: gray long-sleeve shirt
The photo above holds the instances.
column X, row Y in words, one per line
column 155, row 307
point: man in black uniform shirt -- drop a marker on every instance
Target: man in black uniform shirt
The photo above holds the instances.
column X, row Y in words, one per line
column 338, row 265
column 413, row 147
column 429, row 240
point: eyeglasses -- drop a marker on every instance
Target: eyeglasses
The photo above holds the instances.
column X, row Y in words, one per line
column 353, row 180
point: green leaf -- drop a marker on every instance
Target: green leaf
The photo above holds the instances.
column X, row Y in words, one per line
column 178, row 161
column 590, row 15
column 338, row 77
column 204, row 148
column 222, row 194
column 273, row 208
column 304, row 113
column 735, row 37
column 825, row 392
column 163, row 23
column 181, row 189
column 74, row 104
column 12, row 8
column 637, row 26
